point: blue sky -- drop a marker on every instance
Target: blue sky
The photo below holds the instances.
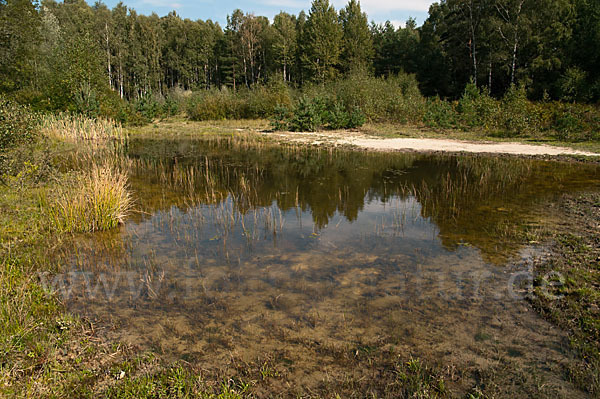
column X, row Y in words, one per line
column 396, row 11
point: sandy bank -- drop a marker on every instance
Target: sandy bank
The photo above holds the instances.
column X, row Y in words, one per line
column 427, row 144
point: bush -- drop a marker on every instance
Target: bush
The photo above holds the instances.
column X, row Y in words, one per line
column 262, row 101
column 148, row 107
column 477, row 108
column 212, row 104
column 337, row 117
column 518, row 116
column 18, row 124
column 573, row 122
column 311, row 114
column 356, row 118
column 94, row 201
column 254, row 103
column 350, row 101
column 280, row 118
column 307, row 115
column 440, row 114
column 175, row 101
column 393, row 99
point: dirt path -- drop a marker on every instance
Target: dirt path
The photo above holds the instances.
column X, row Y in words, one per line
column 426, row 144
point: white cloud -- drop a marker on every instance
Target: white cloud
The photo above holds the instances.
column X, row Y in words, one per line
column 398, row 24
column 379, row 6
column 300, row 4
column 161, row 3
column 369, row 6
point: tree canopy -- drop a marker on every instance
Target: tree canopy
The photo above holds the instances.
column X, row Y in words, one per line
column 70, row 55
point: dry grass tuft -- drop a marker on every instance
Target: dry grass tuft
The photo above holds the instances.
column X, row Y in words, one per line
column 77, row 127
column 94, row 201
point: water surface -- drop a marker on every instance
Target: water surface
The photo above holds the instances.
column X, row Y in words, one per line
column 243, row 252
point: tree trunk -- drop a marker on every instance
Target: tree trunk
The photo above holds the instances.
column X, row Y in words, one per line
column 108, row 57
column 473, row 45
column 490, row 76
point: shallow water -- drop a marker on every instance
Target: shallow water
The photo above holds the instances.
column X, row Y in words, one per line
column 248, row 252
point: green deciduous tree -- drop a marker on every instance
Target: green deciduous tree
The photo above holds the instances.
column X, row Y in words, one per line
column 321, row 42
column 19, row 39
column 284, row 43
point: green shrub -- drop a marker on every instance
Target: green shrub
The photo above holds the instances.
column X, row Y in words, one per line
column 18, row 124
column 279, row 120
column 307, row 115
column 393, row 99
column 175, row 101
column 477, row 108
column 208, row 105
column 86, row 102
column 567, row 126
column 573, row 85
column 574, row 122
column 262, row 101
column 440, row 114
column 348, row 102
column 517, row 116
column 114, row 107
column 148, row 107
column 253, row 103
column 356, row 118
column 311, row 114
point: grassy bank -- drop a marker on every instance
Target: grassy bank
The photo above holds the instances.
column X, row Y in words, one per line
column 567, row 286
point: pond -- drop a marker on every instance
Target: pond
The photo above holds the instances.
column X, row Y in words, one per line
column 246, row 252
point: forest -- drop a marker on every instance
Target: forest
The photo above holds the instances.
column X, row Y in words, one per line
column 73, row 56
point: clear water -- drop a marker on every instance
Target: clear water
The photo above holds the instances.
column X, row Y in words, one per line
column 246, row 251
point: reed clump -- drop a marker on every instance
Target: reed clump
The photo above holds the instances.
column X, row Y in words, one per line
column 95, row 200
column 80, row 128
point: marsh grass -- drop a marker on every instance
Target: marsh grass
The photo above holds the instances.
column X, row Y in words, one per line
column 575, row 255
column 77, row 128
column 93, row 201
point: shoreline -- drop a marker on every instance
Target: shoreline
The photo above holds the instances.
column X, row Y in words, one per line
column 424, row 145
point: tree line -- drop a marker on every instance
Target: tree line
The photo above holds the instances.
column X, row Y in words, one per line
column 70, row 55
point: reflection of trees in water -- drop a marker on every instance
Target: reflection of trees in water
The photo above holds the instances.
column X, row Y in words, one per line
column 473, row 199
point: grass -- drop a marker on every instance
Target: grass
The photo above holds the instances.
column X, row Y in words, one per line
column 175, row 381
column 96, row 200
column 180, row 127
column 77, row 128
column 573, row 302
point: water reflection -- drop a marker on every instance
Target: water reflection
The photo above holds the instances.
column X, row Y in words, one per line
column 470, row 199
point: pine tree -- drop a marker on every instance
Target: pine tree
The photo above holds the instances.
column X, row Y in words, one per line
column 357, row 43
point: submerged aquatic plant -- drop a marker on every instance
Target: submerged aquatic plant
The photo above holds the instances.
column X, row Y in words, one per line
column 95, row 200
